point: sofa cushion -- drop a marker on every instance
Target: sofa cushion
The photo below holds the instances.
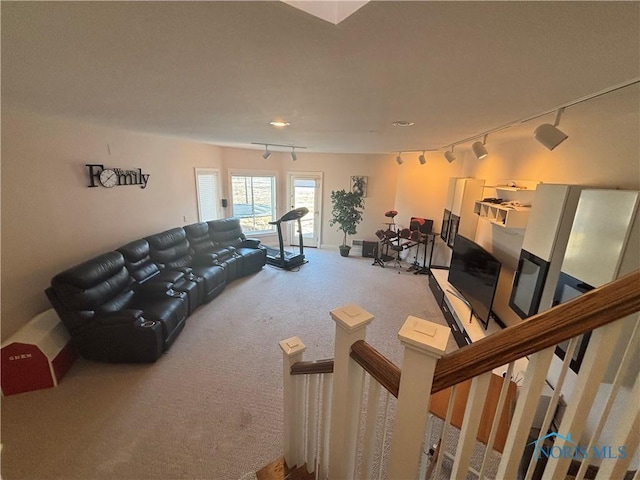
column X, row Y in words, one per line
column 170, row 248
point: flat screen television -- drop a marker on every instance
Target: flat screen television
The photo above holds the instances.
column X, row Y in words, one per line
column 474, row 273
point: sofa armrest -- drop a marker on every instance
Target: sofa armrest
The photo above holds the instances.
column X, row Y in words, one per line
column 153, row 288
column 250, row 243
column 128, row 316
column 122, row 337
column 206, row 259
column 171, row 276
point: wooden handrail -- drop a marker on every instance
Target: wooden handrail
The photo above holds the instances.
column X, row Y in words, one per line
column 377, row 365
column 594, row 309
column 312, row 367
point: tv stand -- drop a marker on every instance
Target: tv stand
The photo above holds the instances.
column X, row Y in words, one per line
column 464, row 325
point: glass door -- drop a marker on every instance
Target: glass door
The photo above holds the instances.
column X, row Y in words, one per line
column 305, row 191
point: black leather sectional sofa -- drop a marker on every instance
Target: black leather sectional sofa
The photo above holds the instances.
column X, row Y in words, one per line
column 130, row 305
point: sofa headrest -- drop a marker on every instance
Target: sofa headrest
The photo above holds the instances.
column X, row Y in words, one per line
column 90, row 284
column 197, row 230
column 138, row 261
column 170, row 248
column 167, row 239
column 225, row 224
column 226, row 231
column 91, row 272
column 199, row 239
column 135, row 251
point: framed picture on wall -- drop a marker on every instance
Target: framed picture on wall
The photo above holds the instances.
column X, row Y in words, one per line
column 359, row 185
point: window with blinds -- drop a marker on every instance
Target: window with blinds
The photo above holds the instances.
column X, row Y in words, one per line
column 208, row 192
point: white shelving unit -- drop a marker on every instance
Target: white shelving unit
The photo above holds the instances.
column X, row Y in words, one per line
column 503, row 216
column 507, row 216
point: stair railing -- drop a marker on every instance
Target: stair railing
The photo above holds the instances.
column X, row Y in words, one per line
column 610, row 311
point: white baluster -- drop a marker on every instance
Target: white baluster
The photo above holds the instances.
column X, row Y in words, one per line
column 351, row 322
column 628, row 435
column 373, row 401
column 323, row 455
column 602, row 343
column 496, row 419
column 292, row 352
column 627, row 358
column 553, row 403
column 424, row 342
column 445, row 428
column 529, row 396
column 470, row 424
column 312, row 421
column 385, row 433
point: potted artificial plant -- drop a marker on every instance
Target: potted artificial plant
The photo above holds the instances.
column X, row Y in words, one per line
column 347, row 213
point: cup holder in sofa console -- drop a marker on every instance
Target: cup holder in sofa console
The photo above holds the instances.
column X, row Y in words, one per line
column 148, row 324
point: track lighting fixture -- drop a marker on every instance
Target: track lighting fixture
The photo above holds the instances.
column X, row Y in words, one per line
column 399, row 160
column 549, row 135
column 422, row 159
column 267, row 153
column 449, row 155
column 479, row 149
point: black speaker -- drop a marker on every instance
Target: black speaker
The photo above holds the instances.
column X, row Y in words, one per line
column 369, row 249
column 224, row 203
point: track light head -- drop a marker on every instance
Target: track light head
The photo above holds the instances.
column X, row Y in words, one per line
column 399, row 160
column 266, row 153
column 294, row 155
column 449, row 155
column 422, row 159
column 550, row 135
column 479, row 149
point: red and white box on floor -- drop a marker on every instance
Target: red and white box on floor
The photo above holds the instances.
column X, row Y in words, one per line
column 37, row 356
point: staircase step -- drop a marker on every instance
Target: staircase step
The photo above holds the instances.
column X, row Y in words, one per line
column 278, row 470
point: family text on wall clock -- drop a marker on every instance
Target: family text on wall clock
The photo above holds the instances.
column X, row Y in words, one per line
column 112, row 177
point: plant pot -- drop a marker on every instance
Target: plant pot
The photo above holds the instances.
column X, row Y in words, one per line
column 344, row 250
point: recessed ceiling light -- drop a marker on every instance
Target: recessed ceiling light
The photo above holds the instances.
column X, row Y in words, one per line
column 277, row 123
column 403, row 123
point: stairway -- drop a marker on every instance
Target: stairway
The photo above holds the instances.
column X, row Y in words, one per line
column 278, row 470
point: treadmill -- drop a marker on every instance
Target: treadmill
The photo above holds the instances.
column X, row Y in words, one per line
column 279, row 257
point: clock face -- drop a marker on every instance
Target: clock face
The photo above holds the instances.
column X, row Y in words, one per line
column 108, row 178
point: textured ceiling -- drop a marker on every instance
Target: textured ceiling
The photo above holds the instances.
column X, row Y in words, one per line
column 219, row 72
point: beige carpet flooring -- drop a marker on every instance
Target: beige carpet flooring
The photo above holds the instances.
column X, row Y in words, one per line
column 211, row 407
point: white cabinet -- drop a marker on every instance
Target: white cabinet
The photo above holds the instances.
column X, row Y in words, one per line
column 550, row 220
column 599, row 249
column 463, row 221
column 458, row 210
column 543, row 248
column 603, row 245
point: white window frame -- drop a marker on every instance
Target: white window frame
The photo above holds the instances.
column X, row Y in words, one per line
column 274, row 195
column 216, row 201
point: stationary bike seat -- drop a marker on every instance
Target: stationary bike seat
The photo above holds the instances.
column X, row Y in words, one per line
column 390, row 213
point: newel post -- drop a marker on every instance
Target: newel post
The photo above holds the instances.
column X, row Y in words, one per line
column 424, row 342
column 348, row 376
column 292, row 351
